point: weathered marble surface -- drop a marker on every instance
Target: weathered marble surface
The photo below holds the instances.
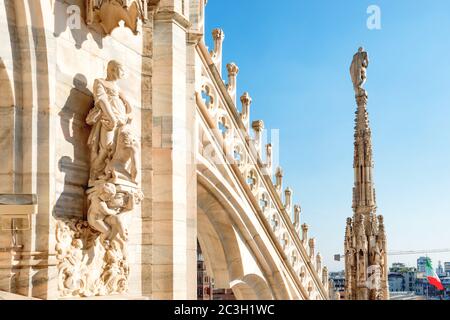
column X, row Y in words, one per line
column 93, row 255
column 49, row 79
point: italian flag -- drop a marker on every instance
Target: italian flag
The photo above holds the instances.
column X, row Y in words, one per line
column 431, row 275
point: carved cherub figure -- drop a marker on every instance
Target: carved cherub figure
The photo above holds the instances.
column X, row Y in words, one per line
column 123, row 204
column 119, row 203
column 75, row 262
column 116, row 269
column 99, row 210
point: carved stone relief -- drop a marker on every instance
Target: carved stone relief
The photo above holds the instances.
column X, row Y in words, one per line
column 92, row 254
column 108, row 13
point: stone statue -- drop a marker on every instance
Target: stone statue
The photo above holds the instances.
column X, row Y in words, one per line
column 351, row 257
column 361, row 265
column 123, row 165
column 73, row 266
column 375, row 255
column 112, row 196
column 123, row 204
column 116, row 270
column 98, row 210
column 358, row 70
column 108, row 117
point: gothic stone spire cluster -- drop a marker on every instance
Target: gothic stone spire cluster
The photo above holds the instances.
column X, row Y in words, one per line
column 365, row 238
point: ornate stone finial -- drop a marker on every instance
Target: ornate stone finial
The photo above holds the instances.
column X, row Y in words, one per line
column 268, row 165
column 279, row 180
column 297, row 212
column 233, row 71
column 216, row 55
column 348, row 226
column 358, row 68
column 246, row 101
column 381, row 229
column 218, row 35
column 258, row 125
column 348, row 233
column 312, row 245
column 258, row 128
column 288, row 200
column 304, row 233
column 318, row 263
column 325, row 280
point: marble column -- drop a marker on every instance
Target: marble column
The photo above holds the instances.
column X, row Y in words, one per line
column 173, row 200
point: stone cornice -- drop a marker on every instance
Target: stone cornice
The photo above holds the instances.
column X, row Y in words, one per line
column 165, row 15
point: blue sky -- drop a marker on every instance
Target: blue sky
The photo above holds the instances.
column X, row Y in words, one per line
column 294, row 60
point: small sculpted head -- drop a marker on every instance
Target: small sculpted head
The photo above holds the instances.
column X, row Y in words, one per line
column 115, row 70
column 118, row 201
column 107, row 192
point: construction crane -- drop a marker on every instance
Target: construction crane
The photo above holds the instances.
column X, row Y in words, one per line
column 338, row 257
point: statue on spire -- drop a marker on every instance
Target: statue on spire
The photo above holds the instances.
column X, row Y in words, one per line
column 366, row 272
column 358, row 71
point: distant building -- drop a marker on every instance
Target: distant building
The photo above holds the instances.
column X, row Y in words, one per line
column 396, row 282
column 204, row 281
column 446, row 283
column 447, row 268
column 440, row 270
column 338, row 281
column 402, row 278
column 421, row 263
column 424, row 288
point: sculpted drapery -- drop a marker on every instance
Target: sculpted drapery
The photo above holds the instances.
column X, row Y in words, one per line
column 113, row 193
column 358, row 69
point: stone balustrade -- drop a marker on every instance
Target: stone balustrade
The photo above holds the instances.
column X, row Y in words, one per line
column 246, row 153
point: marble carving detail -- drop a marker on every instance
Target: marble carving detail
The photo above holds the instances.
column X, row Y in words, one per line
column 108, row 13
column 92, row 255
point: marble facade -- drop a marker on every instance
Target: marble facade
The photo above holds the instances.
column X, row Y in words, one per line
column 181, row 162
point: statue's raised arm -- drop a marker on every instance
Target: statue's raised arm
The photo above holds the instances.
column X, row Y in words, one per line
column 358, row 70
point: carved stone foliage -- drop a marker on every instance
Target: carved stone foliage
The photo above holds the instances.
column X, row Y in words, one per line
column 108, row 13
column 88, row 265
column 92, row 254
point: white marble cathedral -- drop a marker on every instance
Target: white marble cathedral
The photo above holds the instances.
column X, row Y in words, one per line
column 122, row 147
